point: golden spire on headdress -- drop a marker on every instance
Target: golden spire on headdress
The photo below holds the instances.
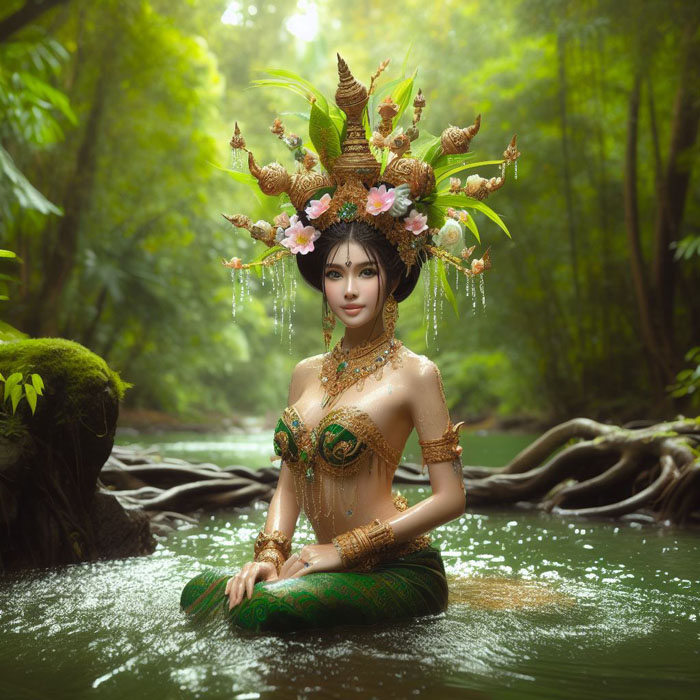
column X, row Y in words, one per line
column 356, row 160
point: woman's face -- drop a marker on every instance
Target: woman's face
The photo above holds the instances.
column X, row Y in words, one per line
column 352, row 284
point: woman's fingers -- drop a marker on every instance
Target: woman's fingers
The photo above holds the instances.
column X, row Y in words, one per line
column 284, row 571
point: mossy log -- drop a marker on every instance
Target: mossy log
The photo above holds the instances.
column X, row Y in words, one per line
column 580, row 468
column 50, row 509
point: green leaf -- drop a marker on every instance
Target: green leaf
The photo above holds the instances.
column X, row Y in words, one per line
column 16, row 396
column 471, row 225
column 2, row 377
column 402, row 96
column 57, row 99
column 31, row 396
column 443, row 173
column 298, row 85
column 38, row 383
column 7, row 254
column 442, row 276
column 11, row 382
column 429, row 150
column 24, row 192
column 324, row 136
column 444, row 199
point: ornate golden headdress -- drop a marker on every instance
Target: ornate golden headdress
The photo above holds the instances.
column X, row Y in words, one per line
column 395, row 191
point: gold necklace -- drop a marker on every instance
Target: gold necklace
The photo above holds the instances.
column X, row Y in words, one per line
column 341, row 369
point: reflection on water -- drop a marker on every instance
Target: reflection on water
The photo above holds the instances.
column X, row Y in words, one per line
column 255, row 449
column 540, row 608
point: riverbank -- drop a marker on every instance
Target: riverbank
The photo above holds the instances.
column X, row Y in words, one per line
column 141, row 421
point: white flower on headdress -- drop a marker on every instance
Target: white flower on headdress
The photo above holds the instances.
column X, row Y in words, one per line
column 401, row 200
column 473, row 185
column 450, row 235
column 299, row 238
column 415, row 222
column 263, row 226
column 318, row 206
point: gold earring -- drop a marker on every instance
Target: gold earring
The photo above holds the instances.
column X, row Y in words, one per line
column 327, row 323
column 390, row 314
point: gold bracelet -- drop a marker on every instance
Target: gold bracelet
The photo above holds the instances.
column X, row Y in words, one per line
column 364, row 545
column 445, row 448
column 274, row 556
column 276, row 540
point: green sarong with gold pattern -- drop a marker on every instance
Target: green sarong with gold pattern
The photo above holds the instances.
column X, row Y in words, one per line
column 410, row 586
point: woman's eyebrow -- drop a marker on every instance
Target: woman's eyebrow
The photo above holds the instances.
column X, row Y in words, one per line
column 340, row 267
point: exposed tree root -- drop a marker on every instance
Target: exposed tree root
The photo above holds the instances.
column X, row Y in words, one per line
column 578, row 468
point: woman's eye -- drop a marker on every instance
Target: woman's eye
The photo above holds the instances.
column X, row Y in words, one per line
column 333, row 274
column 368, row 272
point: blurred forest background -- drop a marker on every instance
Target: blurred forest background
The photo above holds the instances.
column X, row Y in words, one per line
column 114, row 130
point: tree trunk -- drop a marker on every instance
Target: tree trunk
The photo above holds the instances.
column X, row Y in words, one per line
column 653, row 354
column 29, row 12
column 673, row 189
column 76, row 201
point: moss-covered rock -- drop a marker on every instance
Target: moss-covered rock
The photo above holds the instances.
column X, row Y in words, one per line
column 50, row 460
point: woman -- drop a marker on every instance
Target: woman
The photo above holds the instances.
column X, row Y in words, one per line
column 351, row 410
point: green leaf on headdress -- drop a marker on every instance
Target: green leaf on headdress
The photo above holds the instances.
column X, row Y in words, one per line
column 458, row 201
column 298, row 85
column 436, row 216
column 471, row 225
column 324, row 136
column 244, row 178
column 447, row 290
column 402, row 96
column 441, row 174
column 257, row 269
column 430, row 149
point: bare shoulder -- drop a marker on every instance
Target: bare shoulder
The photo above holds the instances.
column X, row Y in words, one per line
column 308, row 366
column 304, row 371
column 419, row 368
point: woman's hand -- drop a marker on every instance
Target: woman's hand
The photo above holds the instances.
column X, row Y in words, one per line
column 244, row 581
column 311, row 559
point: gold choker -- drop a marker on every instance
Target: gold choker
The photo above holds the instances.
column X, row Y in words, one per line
column 341, row 369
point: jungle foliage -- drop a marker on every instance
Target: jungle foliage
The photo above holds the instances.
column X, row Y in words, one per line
column 114, row 130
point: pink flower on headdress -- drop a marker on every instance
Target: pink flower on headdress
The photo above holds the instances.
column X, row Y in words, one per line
column 478, row 266
column 299, row 238
column 416, row 222
column 462, row 216
column 379, row 200
column 318, row 206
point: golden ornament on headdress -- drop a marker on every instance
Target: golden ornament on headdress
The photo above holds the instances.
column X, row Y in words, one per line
column 273, row 179
column 237, row 141
column 417, row 174
column 356, row 159
column 304, row 185
column 456, row 140
column 511, row 154
column 387, row 110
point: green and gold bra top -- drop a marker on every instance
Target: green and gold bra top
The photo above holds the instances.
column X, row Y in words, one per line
column 336, row 448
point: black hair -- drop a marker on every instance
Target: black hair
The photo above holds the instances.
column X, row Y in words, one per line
column 375, row 244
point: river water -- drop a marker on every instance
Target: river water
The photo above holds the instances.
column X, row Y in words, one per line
column 540, row 607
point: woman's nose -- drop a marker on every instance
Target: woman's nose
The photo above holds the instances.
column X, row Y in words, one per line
column 350, row 287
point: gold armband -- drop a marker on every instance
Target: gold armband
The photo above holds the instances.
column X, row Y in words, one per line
column 274, row 547
column 445, row 448
column 364, row 546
